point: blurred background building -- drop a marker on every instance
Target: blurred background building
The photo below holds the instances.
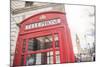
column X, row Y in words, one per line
column 81, row 21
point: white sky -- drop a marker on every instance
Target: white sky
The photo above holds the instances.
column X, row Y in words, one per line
column 79, row 22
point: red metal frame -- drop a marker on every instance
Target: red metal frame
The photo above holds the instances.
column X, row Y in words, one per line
column 65, row 44
column 40, row 51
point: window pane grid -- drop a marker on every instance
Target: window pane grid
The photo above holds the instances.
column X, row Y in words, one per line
column 37, row 56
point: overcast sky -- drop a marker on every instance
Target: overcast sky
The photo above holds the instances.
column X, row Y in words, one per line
column 79, row 22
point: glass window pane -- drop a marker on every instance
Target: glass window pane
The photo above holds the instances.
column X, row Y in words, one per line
column 38, row 58
column 33, row 44
column 51, row 53
column 57, row 52
column 57, row 57
column 51, row 59
column 31, row 59
column 44, row 58
column 40, row 43
column 56, row 40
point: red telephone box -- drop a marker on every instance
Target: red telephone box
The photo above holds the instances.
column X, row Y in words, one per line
column 44, row 38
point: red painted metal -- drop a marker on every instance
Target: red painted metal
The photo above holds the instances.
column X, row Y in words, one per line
column 64, row 37
column 40, row 51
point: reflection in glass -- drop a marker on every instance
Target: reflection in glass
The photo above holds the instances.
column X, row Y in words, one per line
column 31, row 59
column 42, row 43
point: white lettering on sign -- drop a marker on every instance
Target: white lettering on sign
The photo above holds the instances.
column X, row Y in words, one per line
column 43, row 23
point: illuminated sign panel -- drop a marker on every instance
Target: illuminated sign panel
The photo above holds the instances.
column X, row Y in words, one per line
column 42, row 24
